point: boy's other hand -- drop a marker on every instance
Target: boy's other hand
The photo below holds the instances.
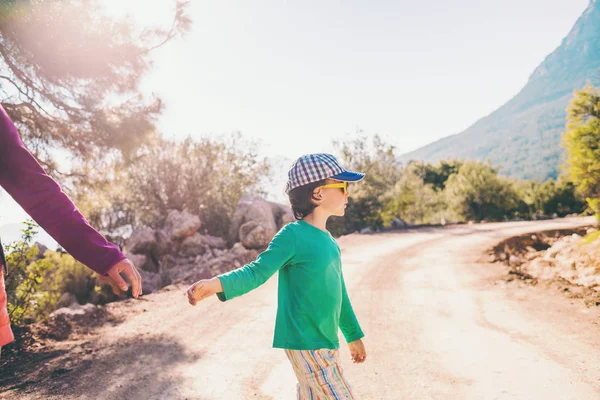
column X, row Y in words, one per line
column 357, row 351
column 203, row 289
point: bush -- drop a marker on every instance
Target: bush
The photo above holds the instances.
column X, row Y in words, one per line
column 204, row 177
column 25, row 276
column 34, row 283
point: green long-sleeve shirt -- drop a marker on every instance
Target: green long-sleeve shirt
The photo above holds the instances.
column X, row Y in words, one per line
column 312, row 299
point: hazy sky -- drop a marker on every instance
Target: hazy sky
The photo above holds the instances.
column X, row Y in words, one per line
column 297, row 74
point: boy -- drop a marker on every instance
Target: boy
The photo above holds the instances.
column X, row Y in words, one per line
column 312, row 299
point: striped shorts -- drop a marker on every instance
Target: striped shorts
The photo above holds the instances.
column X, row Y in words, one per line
column 319, row 374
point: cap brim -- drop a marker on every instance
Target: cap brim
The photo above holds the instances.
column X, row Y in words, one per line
column 349, row 176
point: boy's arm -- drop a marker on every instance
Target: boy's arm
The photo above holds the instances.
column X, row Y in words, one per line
column 348, row 322
column 242, row 280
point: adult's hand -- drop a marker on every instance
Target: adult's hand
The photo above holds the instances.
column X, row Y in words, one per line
column 126, row 268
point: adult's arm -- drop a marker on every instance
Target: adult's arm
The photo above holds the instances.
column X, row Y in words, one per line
column 42, row 198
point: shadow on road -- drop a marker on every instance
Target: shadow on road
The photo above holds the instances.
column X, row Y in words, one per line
column 132, row 369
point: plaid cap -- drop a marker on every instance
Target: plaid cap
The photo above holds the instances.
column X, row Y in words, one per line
column 317, row 167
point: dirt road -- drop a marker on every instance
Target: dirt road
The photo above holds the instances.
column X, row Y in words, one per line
column 439, row 320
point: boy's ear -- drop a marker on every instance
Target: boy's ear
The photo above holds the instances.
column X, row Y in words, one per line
column 317, row 194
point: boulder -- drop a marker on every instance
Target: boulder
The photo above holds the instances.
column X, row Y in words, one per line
column 398, row 224
column 282, row 214
column 137, row 259
column 164, row 245
column 66, row 300
column 181, row 224
column 259, row 212
column 214, row 242
column 151, row 281
column 142, row 261
column 193, row 245
column 515, row 260
column 253, row 235
column 141, row 241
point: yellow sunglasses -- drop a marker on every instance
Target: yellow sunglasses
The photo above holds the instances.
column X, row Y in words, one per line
column 341, row 185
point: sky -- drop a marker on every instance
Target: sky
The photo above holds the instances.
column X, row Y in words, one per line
column 296, row 75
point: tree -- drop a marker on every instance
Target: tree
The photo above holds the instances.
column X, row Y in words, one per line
column 438, row 174
column 476, row 192
column 205, row 177
column 70, row 76
column 582, row 140
column 412, row 199
column 379, row 162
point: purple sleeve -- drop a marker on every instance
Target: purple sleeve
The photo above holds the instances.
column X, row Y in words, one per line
column 41, row 197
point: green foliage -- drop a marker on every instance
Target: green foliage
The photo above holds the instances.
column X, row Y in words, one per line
column 414, row 199
column 69, row 275
column 582, row 141
column 378, row 160
column 34, row 283
column 449, row 191
column 25, row 275
column 70, row 77
column 438, row 174
column 205, row 177
column 476, row 192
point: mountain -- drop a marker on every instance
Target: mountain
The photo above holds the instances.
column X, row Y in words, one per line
column 523, row 136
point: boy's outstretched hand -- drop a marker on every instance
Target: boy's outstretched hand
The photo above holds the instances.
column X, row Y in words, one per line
column 203, row 289
column 357, row 351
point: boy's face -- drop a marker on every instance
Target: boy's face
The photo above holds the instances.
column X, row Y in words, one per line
column 333, row 200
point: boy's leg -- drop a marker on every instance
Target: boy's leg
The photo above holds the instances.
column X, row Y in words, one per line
column 301, row 391
column 319, row 374
column 6, row 335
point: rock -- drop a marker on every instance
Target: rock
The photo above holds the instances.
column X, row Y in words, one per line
column 236, row 257
column 541, row 269
column 141, row 241
column 181, row 224
column 193, row 245
column 253, row 209
column 238, row 249
column 365, row 231
column 514, row 260
column 282, row 214
column 253, row 235
column 151, row 281
column 217, row 252
column 60, row 322
column 556, row 248
column 74, row 310
column 164, row 244
column 137, row 259
column 398, row 224
column 66, row 300
column 142, row 261
column 591, row 230
column 214, row 242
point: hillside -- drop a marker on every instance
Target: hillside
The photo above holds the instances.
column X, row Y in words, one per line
column 523, row 136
